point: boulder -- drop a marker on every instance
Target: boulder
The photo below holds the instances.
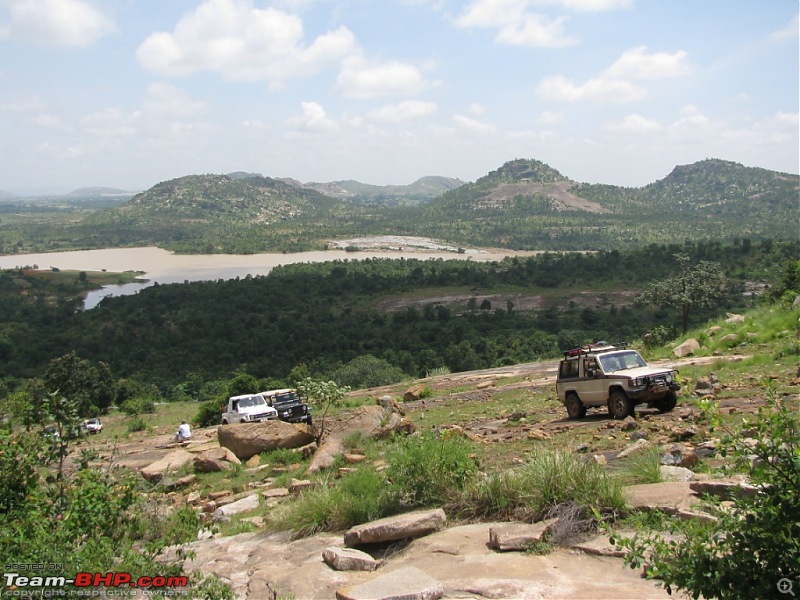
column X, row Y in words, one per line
column 245, row 504
column 637, row 446
column 171, row 462
column 408, row 583
column 248, row 439
column 670, row 473
column 731, row 338
column 734, row 318
column 212, row 461
column 390, row 404
column 724, row 490
column 400, row 527
column 687, row 348
column 519, row 536
column 415, row 392
column 713, row 330
column 629, row 424
column 349, row 559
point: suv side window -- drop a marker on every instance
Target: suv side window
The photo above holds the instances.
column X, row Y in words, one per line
column 569, row 369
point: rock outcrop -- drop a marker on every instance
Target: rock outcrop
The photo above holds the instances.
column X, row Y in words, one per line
column 171, row 462
column 248, row 439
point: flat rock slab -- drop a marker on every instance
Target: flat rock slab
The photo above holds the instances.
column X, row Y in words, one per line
column 349, row 559
column 171, row 462
column 408, row 583
column 519, row 536
column 725, row 490
column 400, row 527
column 669, row 497
column 258, row 563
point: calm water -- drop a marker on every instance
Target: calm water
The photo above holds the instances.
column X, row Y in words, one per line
column 162, row 266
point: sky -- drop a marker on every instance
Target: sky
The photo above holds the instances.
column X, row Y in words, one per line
column 130, row 93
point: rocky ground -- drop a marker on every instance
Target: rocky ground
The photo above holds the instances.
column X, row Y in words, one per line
column 454, row 560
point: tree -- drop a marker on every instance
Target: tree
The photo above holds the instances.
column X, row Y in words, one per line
column 693, row 287
column 323, row 394
column 89, row 385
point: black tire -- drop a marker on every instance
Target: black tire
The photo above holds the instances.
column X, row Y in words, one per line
column 667, row 403
column 619, row 405
column 575, row 408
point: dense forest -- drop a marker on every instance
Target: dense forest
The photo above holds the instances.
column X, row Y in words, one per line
column 322, row 317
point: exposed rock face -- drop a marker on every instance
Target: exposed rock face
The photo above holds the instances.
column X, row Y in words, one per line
column 372, row 421
column 171, row 462
column 218, row 459
column 400, row 527
column 248, row 439
column 404, row 584
column 687, row 348
column 259, row 562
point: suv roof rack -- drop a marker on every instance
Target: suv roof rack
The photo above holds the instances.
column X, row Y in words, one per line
column 595, row 347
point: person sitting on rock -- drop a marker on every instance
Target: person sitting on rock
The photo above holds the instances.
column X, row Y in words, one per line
column 184, row 432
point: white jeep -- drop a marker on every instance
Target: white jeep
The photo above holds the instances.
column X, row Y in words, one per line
column 602, row 374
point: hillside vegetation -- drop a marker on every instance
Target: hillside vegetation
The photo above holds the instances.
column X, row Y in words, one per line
column 525, row 204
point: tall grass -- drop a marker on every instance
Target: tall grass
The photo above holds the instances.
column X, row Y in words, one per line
column 551, row 479
column 642, row 467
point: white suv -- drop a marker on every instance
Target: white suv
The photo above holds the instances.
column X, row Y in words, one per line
column 602, row 374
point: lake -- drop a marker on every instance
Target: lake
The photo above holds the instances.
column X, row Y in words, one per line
column 161, row 266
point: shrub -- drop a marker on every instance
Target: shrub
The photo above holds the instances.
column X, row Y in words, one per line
column 429, row 470
column 139, row 405
column 209, row 413
column 752, row 546
column 136, row 423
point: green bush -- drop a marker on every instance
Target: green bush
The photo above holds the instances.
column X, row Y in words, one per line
column 209, row 413
column 751, row 546
column 139, row 405
column 429, row 469
column 136, row 423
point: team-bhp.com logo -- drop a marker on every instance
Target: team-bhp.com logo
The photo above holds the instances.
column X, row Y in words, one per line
column 16, row 584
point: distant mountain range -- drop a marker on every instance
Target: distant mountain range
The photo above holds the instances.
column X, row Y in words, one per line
column 524, row 204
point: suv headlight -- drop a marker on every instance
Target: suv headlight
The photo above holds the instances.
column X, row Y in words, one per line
column 639, row 382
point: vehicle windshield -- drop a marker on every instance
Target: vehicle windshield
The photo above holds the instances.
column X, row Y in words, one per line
column 251, row 401
column 284, row 398
column 619, row 361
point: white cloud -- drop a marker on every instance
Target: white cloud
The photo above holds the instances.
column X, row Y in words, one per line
column 787, row 33
column 616, row 83
column 559, row 88
column 550, row 118
column 167, row 99
column 634, row 124
column 359, row 79
column 403, row 111
column 315, row 119
column 54, row 22
column 473, row 124
column 515, row 24
column 477, row 109
column 242, row 43
column 112, row 122
column 595, row 5
column 636, row 63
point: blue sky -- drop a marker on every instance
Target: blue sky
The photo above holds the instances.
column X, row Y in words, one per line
column 128, row 93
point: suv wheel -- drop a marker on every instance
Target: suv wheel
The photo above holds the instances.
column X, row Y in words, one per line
column 667, row 403
column 619, row 405
column 575, row 408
